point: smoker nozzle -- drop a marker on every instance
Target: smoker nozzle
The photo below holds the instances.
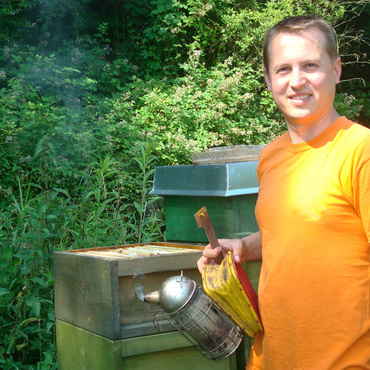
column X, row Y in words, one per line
column 152, row 297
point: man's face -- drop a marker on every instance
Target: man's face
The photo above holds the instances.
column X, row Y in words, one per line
column 302, row 77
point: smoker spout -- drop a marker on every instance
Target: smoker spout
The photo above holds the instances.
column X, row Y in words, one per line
column 152, row 297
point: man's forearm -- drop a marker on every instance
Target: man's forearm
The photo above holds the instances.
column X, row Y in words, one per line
column 252, row 244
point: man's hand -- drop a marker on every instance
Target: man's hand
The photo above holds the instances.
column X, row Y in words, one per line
column 246, row 249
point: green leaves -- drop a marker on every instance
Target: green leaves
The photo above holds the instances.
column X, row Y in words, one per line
column 34, row 304
column 88, row 112
column 4, row 291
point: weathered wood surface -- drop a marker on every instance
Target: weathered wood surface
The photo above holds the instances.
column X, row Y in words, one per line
column 99, row 293
column 86, row 293
column 130, row 252
column 83, row 350
column 133, row 310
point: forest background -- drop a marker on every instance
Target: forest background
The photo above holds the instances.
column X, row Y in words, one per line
column 95, row 94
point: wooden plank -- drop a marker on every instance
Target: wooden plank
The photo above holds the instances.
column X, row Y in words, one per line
column 163, row 263
column 164, row 244
column 90, row 291
column 101, row 294
column 153, row 343
column 79, row 349
column 138, row 252
column 145, row 328
column 186, row 258
column 86, row 293
column 132, row 309
column 176, row 359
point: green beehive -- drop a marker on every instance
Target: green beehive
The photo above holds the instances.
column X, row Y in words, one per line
column 229, row 191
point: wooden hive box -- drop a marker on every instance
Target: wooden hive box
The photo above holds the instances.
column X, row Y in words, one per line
column 229, row 191
column 98, row 289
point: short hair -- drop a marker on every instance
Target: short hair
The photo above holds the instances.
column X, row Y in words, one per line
column 297, row 25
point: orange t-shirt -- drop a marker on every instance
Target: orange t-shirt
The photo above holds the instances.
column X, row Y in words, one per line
column 313, row 212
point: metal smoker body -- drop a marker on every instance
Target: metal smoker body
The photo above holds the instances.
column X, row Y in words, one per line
column 197, row 317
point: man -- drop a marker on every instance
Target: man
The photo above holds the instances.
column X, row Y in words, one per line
column 313, row 212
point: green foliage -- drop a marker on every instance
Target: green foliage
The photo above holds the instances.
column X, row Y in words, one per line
column 206, row 108
column 111, row 206
column 352, row 100
column 26, row 304
column 94, row 95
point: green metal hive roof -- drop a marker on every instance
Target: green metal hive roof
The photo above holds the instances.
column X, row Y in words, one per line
column 221, row 180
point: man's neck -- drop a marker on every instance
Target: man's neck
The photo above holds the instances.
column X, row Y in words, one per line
column 303, row 132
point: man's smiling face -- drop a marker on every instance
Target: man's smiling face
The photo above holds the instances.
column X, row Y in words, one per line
column 302, row 77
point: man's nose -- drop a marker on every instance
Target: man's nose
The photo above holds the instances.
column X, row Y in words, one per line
column 298, row 78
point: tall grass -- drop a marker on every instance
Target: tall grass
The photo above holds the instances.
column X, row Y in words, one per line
column 112, row 206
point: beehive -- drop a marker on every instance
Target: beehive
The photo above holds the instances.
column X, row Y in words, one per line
column 98, row 289
column 101, row 321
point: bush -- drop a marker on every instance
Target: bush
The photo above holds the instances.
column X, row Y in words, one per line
column 90, row 104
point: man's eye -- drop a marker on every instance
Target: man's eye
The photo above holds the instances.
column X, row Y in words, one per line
column 311, row 65
column 283, row 70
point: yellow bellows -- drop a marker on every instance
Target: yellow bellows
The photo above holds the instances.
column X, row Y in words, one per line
column 228, row 285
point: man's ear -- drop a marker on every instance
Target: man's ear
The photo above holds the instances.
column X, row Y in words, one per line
column 267, row 79
column 337, row 69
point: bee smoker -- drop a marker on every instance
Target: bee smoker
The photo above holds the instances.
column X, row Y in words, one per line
column 196, row 316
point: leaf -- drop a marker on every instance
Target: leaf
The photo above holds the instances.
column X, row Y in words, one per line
column 140, row 163
column 39, row 281
column 25, row 270
column 90, row 193
column 100, row 210
column 36, row 185
column 21, row 346
column 63, row 191
column 4, row 291
column 152, row 200
column 107, row 201
column 138, row 207
column 28, row 321
column 68, row 69
column 34, row 303
column 49, row 217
